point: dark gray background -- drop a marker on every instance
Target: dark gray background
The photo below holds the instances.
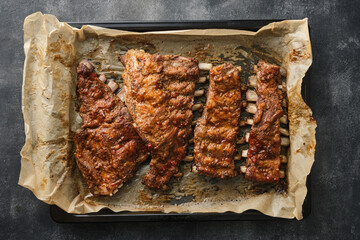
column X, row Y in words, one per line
column 335, row 100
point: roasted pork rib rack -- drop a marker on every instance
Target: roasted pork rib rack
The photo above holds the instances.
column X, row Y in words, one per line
column 264, row 159
column 218, row 127
column 159, row 93
column 108, row 149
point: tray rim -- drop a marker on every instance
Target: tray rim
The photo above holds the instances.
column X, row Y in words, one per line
column 105, row 215
column 153, row 25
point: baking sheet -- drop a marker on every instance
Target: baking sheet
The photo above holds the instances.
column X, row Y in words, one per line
column 53, row 50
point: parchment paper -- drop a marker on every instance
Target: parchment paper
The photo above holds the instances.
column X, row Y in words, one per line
column 53, row 49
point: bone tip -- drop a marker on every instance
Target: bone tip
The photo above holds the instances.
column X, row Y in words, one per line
column 244, row 153
column 113, row 85
column 102, row 78
column 197, row 106
column 247, row 136
column 252, row 81
column 199, row 93
column 202, row 80
column 251, row 108
column 237, row 158
column 87, row 64
column 251, row 96
column 284, row 119
column 283, row 159
column 121, row 96
column 249, row 121
column 285, row 141
column 284, row 131
column 205, row 66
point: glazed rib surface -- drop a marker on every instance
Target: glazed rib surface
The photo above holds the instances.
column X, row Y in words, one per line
column 159, row 93
column 216, row 131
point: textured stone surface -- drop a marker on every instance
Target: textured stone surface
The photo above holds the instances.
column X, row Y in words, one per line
column 335, row 100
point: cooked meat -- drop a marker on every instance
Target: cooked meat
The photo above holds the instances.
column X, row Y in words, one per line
column 216, row 131
column 108, row 149
column 159, row 93
column 264, row 141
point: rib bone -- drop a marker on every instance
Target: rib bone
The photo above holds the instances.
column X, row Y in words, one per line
column 251, row 96
column 283, row 71
column 247, row 135
column 121, row 96
column 197, row 107
column 284, row 131
column 112, row 68
column 285, row 141
column 113, row 85
column 251, row 108
column 205, row 66
column 87, row 64
column 284, row 119
column 237, row 157
column 199, row 93
column 244, row 153
column 102, row 78
column 188, row 159
column 252, row 81
column 202, row 80
column 249, row 121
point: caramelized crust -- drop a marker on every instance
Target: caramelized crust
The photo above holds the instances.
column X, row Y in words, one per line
column 216, row 131
column 264, row 142
column 108, row 149
column 159, row 93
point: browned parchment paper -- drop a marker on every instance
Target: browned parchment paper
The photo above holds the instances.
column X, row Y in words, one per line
column 53, row 49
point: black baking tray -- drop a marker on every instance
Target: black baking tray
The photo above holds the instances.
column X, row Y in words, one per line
column 106, row 215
